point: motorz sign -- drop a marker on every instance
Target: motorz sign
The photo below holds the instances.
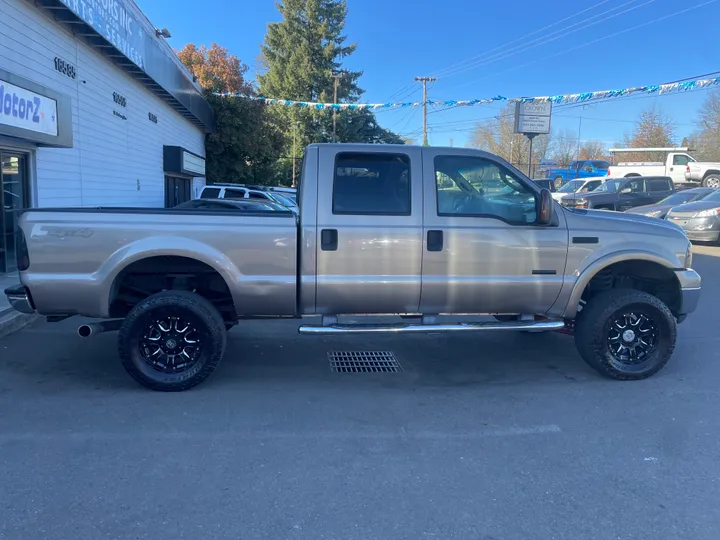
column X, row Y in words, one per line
column 24, row 109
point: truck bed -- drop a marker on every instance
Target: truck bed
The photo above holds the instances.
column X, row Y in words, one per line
column 79, row 256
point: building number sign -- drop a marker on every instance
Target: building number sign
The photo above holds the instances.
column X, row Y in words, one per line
column 119, row 99
column 66, row 68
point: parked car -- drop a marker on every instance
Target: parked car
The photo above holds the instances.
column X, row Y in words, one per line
column 661, row 209
column 623, row 193
column 701, row 219
column 674, row 166
column 249, row 205
column 545, row 183
column 243, row 191
column 707, row 173
column 379, row 234
column 577, row 186
column 579, row 169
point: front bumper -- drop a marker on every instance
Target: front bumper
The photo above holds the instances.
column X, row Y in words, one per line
column 20, row 299
column 690, row 285
column 703, row 229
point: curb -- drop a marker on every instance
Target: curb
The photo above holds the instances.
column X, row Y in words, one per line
column 12, row 321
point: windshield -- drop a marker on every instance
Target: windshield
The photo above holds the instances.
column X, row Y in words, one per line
column 683, row 197
column 611, row 186
column 282, row 200
column 602, row 165
column 572, row 186
column 714, row 196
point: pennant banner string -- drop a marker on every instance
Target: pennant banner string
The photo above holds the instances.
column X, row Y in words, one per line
column 659, row 89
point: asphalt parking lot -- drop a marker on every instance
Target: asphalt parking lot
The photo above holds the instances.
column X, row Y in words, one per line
column 482, row 437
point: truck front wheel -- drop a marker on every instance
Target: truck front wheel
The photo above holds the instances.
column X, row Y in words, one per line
column 711, row 181
column 172, row 341
column 625, row 334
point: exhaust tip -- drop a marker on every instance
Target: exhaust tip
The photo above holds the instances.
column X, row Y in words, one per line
column 84, row 331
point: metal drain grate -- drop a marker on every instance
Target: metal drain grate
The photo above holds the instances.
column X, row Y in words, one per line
column 364, row 362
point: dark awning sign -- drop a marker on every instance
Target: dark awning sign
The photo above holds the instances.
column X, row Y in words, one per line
column 113, row 21
column 177, row 160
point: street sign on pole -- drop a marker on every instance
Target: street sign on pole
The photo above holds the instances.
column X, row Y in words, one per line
column 533, row 117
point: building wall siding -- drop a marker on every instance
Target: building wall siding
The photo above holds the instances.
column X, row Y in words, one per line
column 114, row 161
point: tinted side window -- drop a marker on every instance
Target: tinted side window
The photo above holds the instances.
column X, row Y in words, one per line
column 658, row 184
column 680, row 160
column 256, row 195
column 234, row 194
column 590, row 186
column 479, row 187
column 368, row 184
column 636, row 186
column 210, row 193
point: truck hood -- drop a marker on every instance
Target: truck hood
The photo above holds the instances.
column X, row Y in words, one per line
column 606, row 220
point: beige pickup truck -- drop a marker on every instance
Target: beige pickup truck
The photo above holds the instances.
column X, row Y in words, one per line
column 418, row 232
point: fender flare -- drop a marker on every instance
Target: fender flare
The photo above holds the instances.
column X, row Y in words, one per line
column 608, row 260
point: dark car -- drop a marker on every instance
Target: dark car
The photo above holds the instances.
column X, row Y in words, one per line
column 545, row 183
column 661, row 209
column 249, row 205
column 700, row 219
column 623, row 193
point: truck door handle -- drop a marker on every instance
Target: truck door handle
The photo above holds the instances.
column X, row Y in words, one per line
column 329, row 239
column 434, row 240
column 671, row 169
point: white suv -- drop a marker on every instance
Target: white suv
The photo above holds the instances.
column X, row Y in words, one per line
column 242, row 191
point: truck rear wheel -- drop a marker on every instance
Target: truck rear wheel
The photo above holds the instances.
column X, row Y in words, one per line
column 558, row 181
column 625, row 334
column 711, row 181
column 172, row 341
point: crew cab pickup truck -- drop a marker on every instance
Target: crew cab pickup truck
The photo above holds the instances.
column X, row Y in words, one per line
column 707, row 173
column 418, row 232
column 675, row 165
column 622, row 194
column 579, row 169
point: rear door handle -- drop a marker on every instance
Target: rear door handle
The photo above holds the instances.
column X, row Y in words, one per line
column 434, row 240
column 329, row 239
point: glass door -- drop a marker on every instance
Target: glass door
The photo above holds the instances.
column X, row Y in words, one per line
column 13, row 182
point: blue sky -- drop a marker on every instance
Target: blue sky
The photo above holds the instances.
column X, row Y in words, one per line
column 512, row 48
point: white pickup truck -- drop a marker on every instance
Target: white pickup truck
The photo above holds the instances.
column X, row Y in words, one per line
column 703, row 171
column 675, row 166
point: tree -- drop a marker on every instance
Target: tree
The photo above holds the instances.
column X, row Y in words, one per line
column 299, row 56
column 247, row 142
column 592, row 150
column 652, row 130
column 496, row 135
column 564, row 147
column 705, row 142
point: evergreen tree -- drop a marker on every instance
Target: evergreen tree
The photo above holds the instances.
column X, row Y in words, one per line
column 301, row 54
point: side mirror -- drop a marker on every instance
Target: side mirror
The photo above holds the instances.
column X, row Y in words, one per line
column 544, row 207
column 625, row 191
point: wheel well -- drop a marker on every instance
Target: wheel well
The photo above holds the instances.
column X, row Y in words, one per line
column 650, row 277
column 709, row 173
column 152, row 275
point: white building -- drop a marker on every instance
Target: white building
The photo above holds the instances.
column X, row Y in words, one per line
column 95, row 110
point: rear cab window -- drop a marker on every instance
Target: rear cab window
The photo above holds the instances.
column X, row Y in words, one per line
column 210, row 193
column 234, row 194
column 371, row 184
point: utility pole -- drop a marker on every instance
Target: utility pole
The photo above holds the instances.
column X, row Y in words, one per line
column 424, row 81
column 336, row 79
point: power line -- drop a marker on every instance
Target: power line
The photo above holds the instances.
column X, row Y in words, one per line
column 680, row 12
column 451, row 67
column 558, row 34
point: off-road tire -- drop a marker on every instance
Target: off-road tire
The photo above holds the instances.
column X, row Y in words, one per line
column 711, row 178
column 592, row 328
column 200, row 312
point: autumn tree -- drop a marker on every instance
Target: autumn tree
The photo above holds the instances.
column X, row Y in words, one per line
column 592, row 149
column 247, row 142
column 705, row 142
column 653, row 129
column 564, row 148
column 300, row 55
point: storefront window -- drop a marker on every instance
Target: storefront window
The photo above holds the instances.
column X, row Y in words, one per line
column 13, row 182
